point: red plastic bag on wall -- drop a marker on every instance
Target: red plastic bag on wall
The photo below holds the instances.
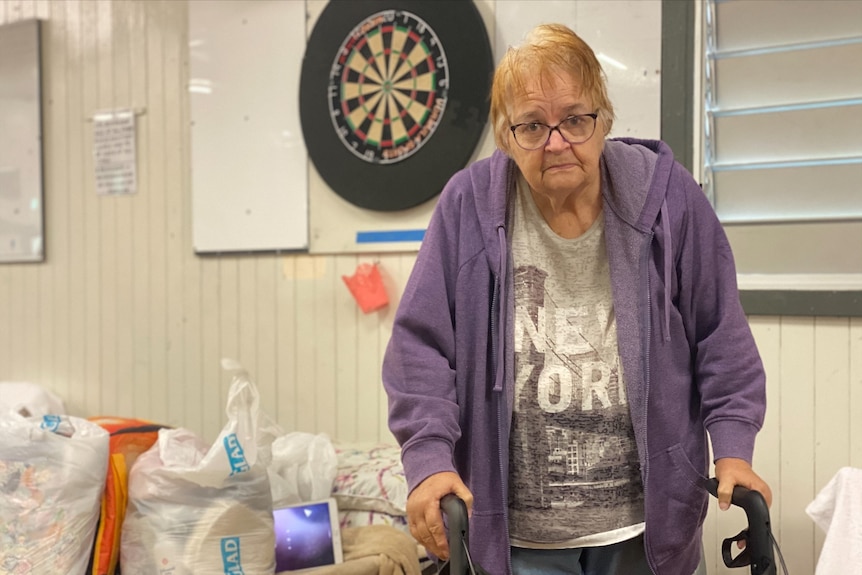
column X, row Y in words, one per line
column 367, row 287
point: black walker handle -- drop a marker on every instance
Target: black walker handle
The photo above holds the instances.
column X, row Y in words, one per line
column 758, row 549
column 456, row 512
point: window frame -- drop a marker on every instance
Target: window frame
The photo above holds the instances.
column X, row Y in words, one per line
column 682, row 115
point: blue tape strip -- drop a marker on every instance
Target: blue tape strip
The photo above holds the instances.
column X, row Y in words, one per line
column 393, row 236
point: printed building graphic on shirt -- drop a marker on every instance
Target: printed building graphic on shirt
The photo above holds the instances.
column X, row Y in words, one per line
column 574, row 459
column 572, row 442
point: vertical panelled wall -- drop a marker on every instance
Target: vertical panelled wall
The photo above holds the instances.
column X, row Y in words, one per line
column 123, row 319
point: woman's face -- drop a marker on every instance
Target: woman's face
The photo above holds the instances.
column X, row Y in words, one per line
column 557, row 169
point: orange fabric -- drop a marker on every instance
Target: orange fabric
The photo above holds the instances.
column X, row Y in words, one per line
column 129, row 438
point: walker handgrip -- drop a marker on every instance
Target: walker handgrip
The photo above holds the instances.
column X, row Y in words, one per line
column 456, row 512
column 758, row 541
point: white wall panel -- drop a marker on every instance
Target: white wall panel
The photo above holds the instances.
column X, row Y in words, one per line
column 124, row 16
column 855, row 397
column 53, row 320
column 209, row 371
column 767, row 453
column 346, row 356
column 138, row 299
column 265, row 328
column 796, row 483
column 92, row 285
column 323, row 385
column 831, row 409
column 74, row 188
column 176, row 204
column 106, row 232
column 123, row 319
column 287, row 336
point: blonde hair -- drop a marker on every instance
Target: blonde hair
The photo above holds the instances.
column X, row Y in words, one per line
column 548, row 49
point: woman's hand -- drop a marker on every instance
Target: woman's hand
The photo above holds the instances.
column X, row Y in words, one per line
column 731, row 472
column 423, row 510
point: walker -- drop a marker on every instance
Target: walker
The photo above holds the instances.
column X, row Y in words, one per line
column 758, row 536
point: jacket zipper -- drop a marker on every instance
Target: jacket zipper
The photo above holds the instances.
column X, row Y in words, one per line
column 500, row 405
column 648, row 321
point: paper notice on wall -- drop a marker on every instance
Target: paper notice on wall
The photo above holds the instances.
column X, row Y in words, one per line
column 114, row 152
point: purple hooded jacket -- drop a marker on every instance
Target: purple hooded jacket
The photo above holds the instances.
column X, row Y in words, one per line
column 690, row 362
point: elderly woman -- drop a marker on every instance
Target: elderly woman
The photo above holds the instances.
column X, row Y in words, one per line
column 570, row 333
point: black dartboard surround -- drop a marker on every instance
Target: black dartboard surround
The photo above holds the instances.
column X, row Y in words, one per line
column 394, row 97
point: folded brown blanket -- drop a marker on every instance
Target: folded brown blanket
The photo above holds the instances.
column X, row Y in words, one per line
column 375, row 550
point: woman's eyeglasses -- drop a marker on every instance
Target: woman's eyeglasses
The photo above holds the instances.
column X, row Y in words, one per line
column 574, row 130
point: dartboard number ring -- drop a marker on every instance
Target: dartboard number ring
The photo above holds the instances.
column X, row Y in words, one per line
column 388, row 87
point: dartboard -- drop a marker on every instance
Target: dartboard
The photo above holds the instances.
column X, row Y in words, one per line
column 394, row 97
column 388, row 87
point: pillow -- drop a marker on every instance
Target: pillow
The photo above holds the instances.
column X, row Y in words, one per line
column 370, row 480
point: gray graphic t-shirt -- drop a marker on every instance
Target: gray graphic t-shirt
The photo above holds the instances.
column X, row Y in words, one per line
column 574, row 475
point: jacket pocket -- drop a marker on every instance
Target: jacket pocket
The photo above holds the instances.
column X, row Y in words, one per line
column 676, row 505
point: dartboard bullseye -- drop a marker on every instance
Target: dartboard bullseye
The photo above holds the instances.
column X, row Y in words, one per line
column 388, row 87
column 394, row 97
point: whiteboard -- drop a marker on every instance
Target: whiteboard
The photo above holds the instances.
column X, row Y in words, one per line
column 248, row 158
column 21, row 213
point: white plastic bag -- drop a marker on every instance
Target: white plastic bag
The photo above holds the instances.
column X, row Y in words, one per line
column 195, row 510
column 29, row 399
column 303, row 468
column 52, row 473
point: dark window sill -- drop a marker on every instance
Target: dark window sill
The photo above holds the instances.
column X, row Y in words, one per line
column 798, row 302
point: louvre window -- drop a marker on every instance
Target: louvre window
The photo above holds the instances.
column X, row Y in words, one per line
column 783, row 135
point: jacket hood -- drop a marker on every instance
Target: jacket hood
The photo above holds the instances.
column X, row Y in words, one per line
column 635, row 176
column 493, row 183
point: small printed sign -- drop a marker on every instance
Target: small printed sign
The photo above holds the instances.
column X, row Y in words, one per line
column 114, row 152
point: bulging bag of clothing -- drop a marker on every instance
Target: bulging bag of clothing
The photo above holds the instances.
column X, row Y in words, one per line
column 199, row 510
column 52, row 473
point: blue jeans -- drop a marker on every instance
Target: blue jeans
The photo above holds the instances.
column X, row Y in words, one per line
column 624, row 558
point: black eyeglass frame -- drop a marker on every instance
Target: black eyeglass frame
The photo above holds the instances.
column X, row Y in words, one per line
column 594, row 116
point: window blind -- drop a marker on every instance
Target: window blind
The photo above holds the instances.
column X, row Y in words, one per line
column 783, row 132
